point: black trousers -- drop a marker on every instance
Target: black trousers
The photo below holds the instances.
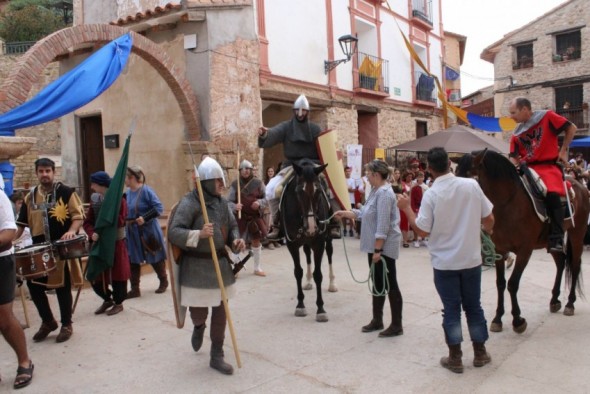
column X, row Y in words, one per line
column 64, row 298
column 117, row 294
column 379, row 285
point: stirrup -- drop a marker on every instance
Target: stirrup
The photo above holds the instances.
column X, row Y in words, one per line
column 556, row 245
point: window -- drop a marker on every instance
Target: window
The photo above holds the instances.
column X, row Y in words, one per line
column 568, row 103
column 524, row 56
column 568, row 46
column 422, row 9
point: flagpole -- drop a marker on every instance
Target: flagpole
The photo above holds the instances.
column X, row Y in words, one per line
column 238, row 183
column 216, row 263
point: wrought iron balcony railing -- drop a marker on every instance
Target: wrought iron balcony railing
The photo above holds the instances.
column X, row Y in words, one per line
column 576, row 116
column 373, row 73
column 422, row 9
column 425, row 88
column 15, row 48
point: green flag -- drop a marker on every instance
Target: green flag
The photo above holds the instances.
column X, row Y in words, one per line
column 103, row 251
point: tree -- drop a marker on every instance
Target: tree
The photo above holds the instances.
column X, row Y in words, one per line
column 29, row 20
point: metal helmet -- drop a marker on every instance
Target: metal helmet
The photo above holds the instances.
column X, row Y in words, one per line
column 301, row 104
column 246, row 164
column 210, row 169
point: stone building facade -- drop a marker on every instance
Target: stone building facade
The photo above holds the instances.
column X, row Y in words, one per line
column 207, row 74
column 531, row 62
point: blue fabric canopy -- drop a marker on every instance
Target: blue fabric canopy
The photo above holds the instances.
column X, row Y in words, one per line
column 580, row 143
column 72, row 90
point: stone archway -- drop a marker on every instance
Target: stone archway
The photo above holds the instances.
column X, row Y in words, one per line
column 15, row 89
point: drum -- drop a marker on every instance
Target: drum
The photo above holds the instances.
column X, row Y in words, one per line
column 72, row 248
column 34, row 261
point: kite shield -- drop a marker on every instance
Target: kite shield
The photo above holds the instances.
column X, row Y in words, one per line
column 326, row 144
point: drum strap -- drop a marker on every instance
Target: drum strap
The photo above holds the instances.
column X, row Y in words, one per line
column 44, row 206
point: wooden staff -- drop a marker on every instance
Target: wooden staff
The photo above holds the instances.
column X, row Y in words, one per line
column 238, row 183
column 216, row 265
column 80, row 287
column 25, row 308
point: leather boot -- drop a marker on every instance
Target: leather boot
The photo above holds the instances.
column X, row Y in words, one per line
column 396, row 304
column 377, row 321
column 453, row 362
column 556, row 214
column 44, row 330
column 197, row 337
column 160, row 269
column 135, row 274
column 217, row 362
column 103, row 308
column 482, row 357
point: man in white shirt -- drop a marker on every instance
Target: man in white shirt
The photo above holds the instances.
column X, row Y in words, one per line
column 452, row 212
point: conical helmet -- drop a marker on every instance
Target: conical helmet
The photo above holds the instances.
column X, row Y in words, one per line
column 301, row 104
column 246, row 164
column 210, row 169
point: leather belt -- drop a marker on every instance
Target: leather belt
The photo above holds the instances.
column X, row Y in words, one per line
column 205, row 255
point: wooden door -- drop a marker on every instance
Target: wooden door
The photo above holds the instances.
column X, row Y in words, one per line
column 92, row 151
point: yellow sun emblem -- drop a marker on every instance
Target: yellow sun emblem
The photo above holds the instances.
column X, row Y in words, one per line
column 59, row 211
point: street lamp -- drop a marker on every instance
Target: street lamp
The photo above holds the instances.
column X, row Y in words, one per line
column 66, row 7
column 348, row 46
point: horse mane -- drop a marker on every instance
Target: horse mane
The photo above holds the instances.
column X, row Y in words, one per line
column 464, row 166
column 496, row 166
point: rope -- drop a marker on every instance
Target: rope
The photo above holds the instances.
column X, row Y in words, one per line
column 488, row 250
column 371, row 277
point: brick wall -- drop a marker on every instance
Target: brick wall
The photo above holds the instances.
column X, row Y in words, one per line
column 47, row 134
column 234, row 103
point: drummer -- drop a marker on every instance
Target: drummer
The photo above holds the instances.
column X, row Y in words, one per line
column 52, row 211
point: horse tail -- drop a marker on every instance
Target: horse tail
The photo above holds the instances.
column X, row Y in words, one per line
column 569, row 261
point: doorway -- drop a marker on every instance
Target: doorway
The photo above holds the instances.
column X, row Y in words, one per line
column 92, row 151
column 421, row 129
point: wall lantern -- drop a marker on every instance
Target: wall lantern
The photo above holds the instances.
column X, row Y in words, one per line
column 348, row 45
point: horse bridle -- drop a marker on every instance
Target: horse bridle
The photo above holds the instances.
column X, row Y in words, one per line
column 312, row 212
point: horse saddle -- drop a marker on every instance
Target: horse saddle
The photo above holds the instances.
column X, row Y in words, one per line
column 536, row 189
column 287, row 174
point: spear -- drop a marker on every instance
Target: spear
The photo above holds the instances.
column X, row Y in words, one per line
column 216, row 261
column 238, row 183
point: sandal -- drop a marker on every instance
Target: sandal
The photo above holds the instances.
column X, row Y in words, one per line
column 24, row 376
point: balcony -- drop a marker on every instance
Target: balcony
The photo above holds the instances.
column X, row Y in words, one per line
column 422, row 13
column 576, row 116
column 17, row 48
column 425, row 89
column 373, row 75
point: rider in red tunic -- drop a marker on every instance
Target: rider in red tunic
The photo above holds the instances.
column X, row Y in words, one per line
column 535, row 142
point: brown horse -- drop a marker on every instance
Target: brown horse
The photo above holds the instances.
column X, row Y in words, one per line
column 518, row 229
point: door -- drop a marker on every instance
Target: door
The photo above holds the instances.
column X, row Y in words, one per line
column 368, row 131
column 92, row 151
column 421, row 129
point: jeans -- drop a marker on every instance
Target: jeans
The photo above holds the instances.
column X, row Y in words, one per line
column 461, row 288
